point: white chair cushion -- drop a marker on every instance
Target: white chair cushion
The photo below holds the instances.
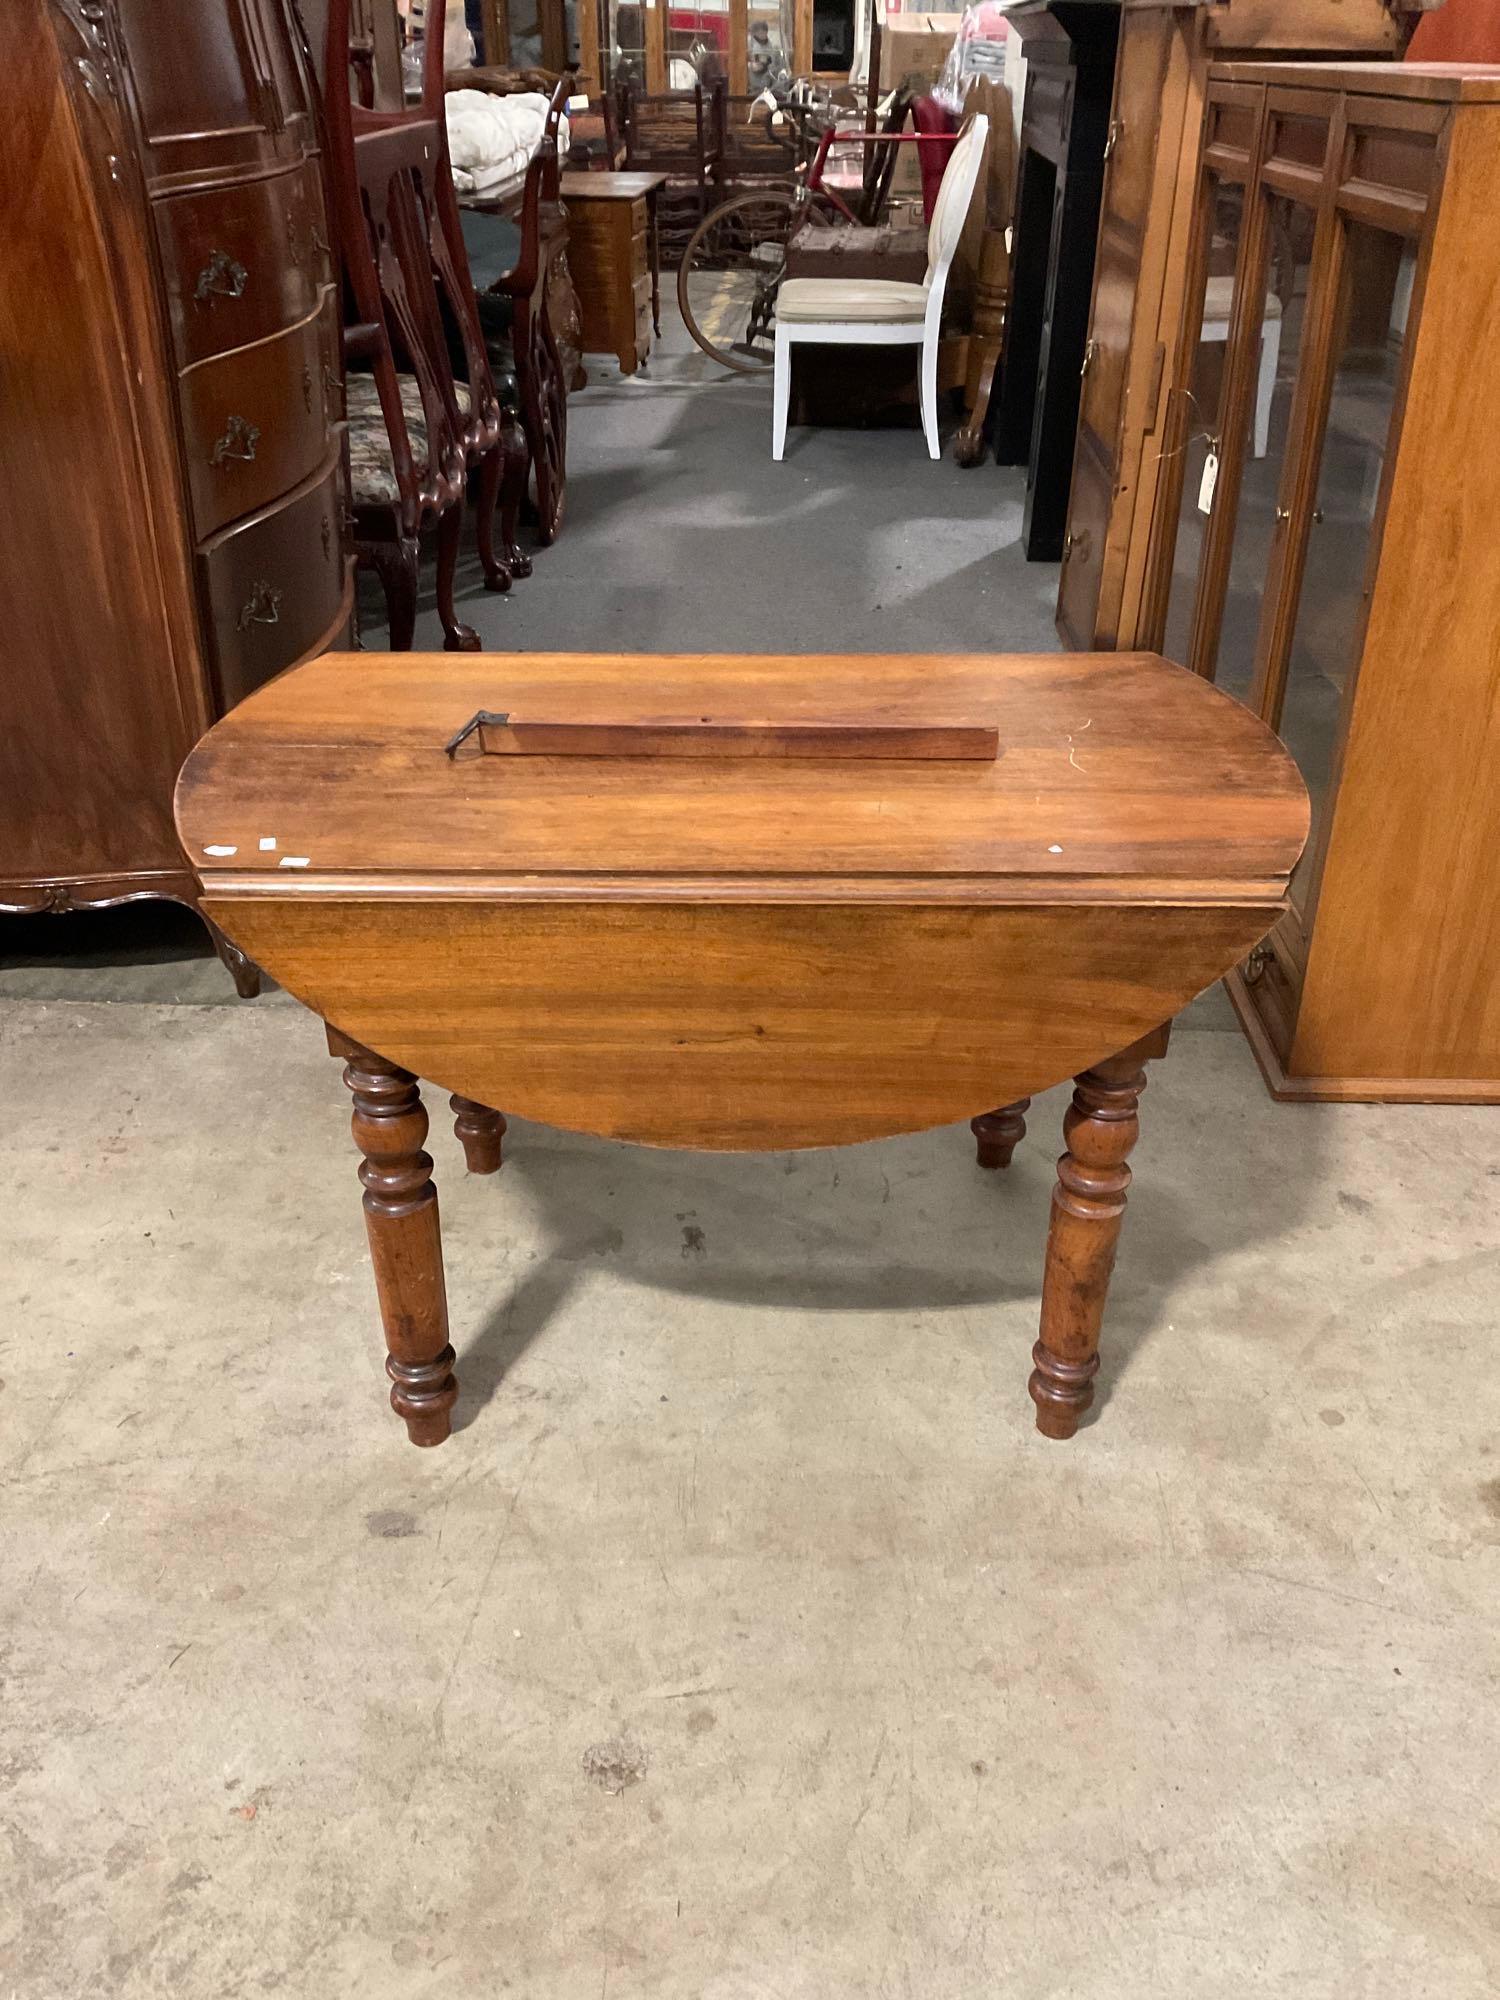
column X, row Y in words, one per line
column 372, row 464
column 862, row 299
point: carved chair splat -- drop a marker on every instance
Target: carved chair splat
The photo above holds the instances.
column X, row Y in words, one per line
column 415, row 430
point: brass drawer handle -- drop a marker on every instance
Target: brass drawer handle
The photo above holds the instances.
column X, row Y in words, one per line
column 261, row 607
column 221, row 278
column 1255, row 965
column 1080, row 545
column 239, row 441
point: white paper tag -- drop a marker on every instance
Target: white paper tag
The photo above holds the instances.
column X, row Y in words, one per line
column 1208, row 482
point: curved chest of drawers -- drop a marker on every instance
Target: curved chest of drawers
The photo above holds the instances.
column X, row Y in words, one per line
column 249, row 292
column 172, row 503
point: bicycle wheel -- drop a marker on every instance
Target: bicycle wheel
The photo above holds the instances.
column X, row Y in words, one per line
column 730, row 274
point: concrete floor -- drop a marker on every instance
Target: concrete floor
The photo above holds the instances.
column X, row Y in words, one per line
column 745, row 1643
column 681, row 535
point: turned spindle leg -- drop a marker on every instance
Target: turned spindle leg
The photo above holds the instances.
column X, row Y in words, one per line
column 1088, row 1205
column 1000, row 1132
column 406, row 1248
column 480, row 1132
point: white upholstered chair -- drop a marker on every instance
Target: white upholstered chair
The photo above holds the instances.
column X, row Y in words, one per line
column 881, row 312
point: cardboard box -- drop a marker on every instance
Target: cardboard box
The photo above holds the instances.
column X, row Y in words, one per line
column 906, row 181
column 914, row 47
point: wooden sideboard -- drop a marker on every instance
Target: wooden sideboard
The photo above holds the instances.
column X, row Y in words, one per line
column 1149, row 203
column 172, row 496
column 1328, row 549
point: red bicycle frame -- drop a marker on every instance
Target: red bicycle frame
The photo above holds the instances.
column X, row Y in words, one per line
column 948, row 140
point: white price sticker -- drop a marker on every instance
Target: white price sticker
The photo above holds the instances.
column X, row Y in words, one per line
column 1208, row 482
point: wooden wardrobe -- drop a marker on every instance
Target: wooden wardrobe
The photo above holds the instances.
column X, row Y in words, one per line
column 1150, row 190
column 172, row 498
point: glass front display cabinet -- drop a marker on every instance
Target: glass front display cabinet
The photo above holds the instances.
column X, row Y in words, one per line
column 1324, row 549
column 747, row 45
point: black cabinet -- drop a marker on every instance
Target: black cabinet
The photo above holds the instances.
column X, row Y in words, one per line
column 1070, row 55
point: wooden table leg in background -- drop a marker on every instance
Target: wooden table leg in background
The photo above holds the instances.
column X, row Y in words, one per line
column 481, row 1133
column 406, row 1247
column 654, row 229
column 1088, row 1205
column 998, row 1133
column 244, row 973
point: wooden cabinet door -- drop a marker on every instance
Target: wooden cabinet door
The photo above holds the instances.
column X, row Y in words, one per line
column 218, row 89
column 1089, row 588
column 1089, row 504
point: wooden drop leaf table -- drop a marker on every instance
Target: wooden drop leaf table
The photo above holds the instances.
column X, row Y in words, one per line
column 742, row 903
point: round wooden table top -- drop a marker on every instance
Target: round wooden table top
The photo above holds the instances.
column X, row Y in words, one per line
column 1115, row 771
